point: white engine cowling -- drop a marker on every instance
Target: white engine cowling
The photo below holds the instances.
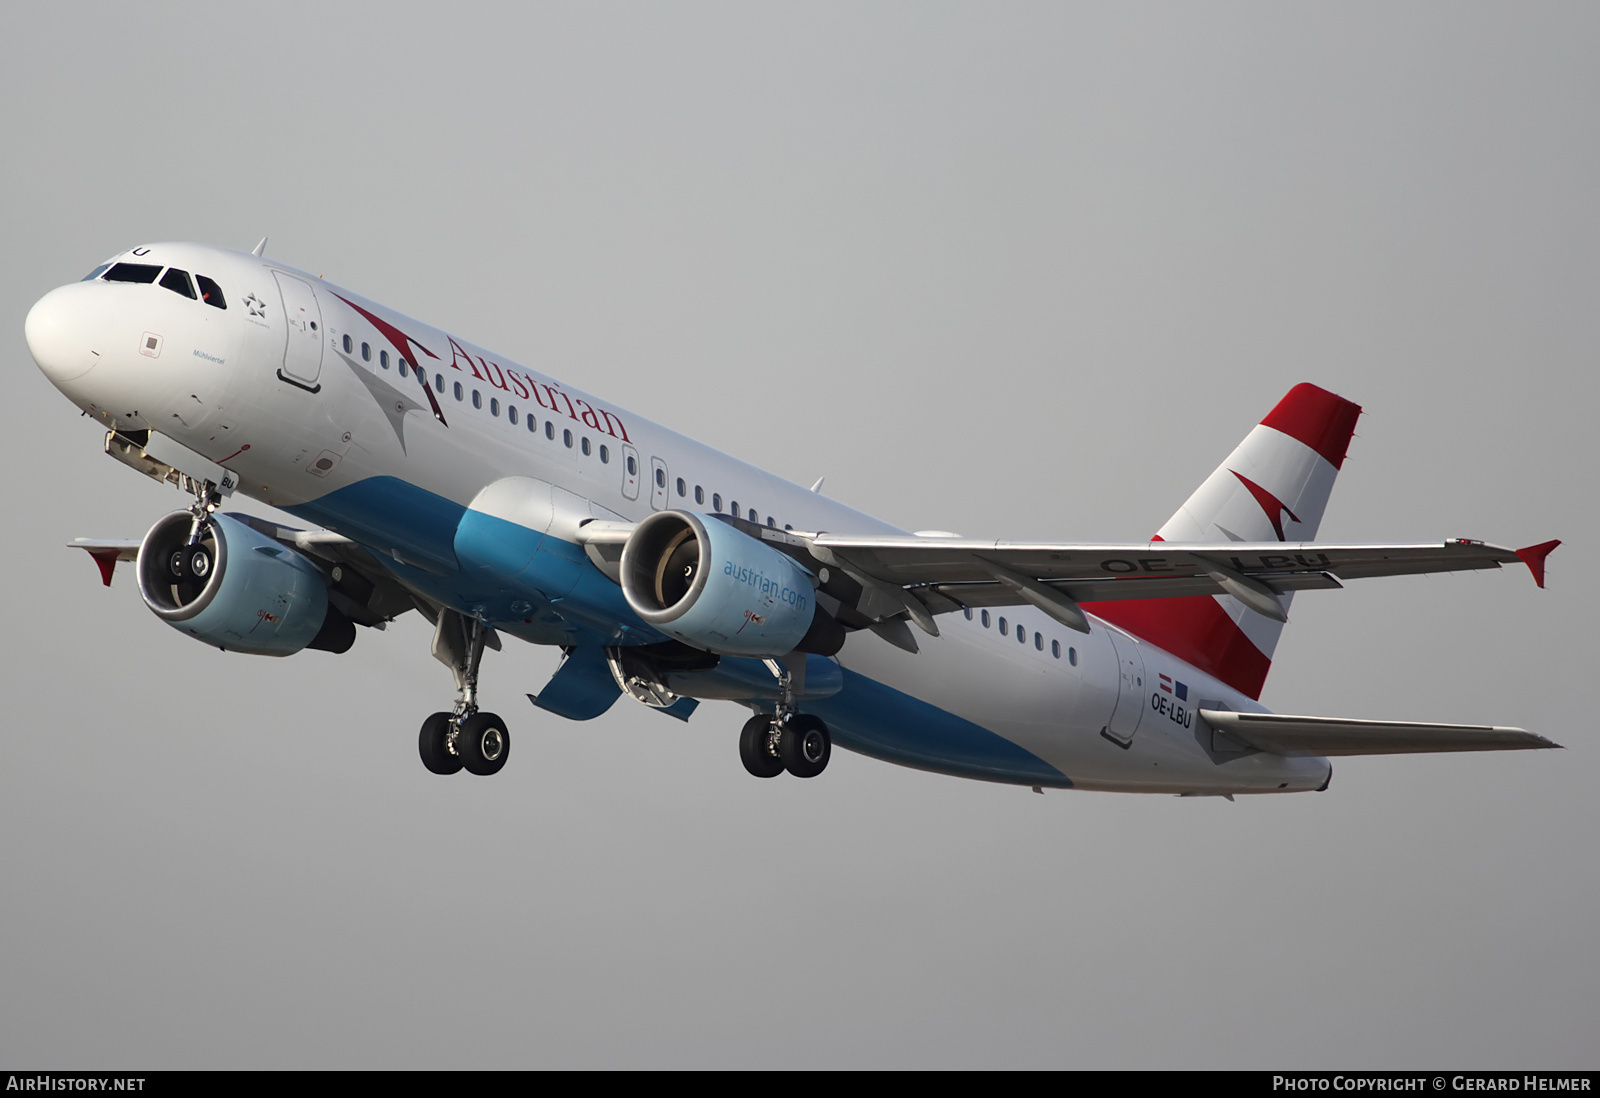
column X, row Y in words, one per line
column 721, row 590
column 249, row 593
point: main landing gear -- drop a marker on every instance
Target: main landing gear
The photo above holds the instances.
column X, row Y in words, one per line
column 798, row 743
column 464, row 739
column 786, row 740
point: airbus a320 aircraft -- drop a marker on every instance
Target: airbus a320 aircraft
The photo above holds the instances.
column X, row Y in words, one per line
column 497, row 501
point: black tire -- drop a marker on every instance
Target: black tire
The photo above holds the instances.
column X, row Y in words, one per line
column 434, row 749
column 755, row 749
column 484, row 744
column 804, row 745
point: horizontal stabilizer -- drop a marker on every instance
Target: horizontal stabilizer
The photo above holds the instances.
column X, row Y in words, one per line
column 1281, row 734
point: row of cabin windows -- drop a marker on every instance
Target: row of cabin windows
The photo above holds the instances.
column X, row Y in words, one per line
column 1022, row 635
column 682, row 487
column 512, row 414
column 459, row 392
column 176, row 280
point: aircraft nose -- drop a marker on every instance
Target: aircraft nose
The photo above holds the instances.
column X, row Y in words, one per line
column 58, row 331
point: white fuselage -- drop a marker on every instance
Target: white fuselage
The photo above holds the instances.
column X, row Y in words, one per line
column 266, row 388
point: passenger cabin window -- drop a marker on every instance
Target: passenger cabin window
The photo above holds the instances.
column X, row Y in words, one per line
column 349, row 345
column 366, row 352
column 511, row 413
column 605, row 454
column 699, row 494
column 661, row 478
column 716, row 502
column 477, row 399
column 985, row 616
column 550, row 432
column 132, row 272
column 566, row 439
column 210, row 292
column 683, row 489
column 383, row 359
column 459, row 390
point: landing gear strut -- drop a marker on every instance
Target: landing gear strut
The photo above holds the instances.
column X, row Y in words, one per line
column 464, row 738
column 787, row 740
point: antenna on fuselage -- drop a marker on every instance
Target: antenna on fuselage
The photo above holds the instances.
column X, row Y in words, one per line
column 817, row 487
column 259, row 248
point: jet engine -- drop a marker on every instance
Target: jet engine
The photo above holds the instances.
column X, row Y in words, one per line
column 712, row 586
column 237, row 589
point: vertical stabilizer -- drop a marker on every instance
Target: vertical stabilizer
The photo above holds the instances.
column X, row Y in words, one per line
column 1273, row 487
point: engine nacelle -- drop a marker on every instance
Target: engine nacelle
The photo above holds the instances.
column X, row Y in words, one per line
column 250, row 593
column 716, row 588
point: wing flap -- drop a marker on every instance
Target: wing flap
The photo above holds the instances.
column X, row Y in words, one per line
column 1282, row 734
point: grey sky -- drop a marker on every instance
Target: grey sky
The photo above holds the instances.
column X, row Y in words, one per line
column 1009, row 270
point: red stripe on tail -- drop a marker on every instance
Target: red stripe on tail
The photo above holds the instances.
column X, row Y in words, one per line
column 1317, row 418
column 1198, row 631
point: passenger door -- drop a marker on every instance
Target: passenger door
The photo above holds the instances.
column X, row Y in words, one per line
column 1130, row 688
column 658, row 484
column 302, row 349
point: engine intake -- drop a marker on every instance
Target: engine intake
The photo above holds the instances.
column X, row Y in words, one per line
column 237, row 589
column 712, row 586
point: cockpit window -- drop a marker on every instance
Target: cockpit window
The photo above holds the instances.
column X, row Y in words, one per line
column 96, row 273
column 178, row 282
column 132, row 272
column 210, row 292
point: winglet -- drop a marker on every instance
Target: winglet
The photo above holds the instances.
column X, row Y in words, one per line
column 107, row 560
column 1533, row 556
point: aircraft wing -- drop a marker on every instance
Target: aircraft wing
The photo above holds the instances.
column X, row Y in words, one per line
column 944, row 574
column 876, row 580
column 1281, row 734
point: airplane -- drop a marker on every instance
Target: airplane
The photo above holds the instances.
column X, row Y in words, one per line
column 497, row 501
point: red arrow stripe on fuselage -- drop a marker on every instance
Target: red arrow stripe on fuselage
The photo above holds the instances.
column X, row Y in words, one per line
column 402, row 344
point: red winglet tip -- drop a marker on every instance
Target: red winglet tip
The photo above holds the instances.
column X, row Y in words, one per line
column 1322, row 420
column 108, row 564
column 1533, row 556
